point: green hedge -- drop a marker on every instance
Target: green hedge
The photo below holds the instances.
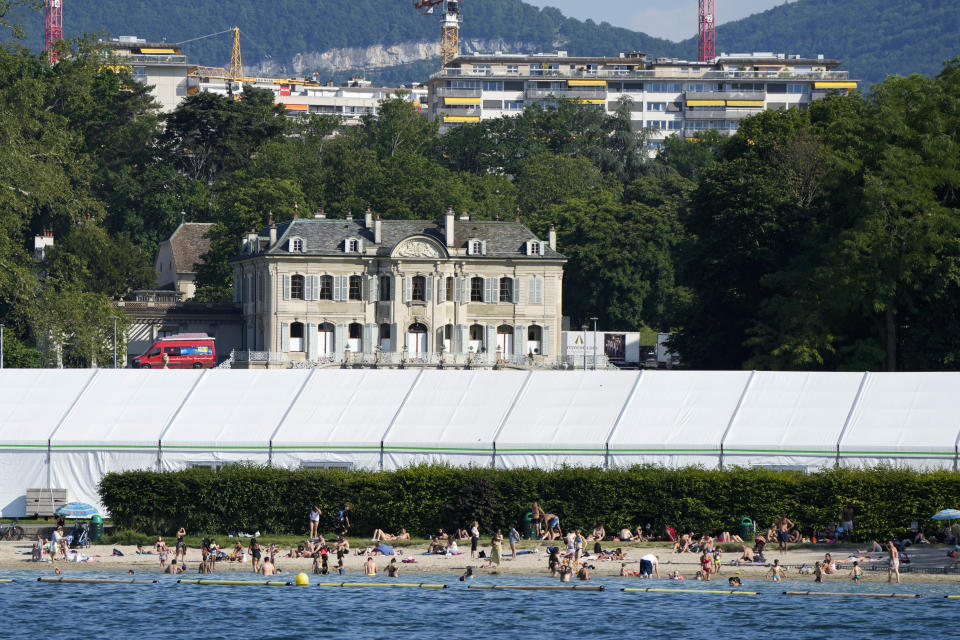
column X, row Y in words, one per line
column 425, row 498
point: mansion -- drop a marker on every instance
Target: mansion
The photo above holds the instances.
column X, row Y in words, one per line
column 456, row 291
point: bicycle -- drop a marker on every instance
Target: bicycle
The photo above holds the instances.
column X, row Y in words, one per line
column 12, row 532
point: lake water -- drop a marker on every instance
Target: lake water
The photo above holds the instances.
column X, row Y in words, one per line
column 168, row 609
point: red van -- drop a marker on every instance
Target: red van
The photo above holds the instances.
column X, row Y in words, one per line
column 183, row 351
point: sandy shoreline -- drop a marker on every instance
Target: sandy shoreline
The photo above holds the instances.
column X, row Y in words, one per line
column 15, row 556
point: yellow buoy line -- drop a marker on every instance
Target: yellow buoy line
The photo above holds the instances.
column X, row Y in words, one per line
column 61, row 579
column 382, row 584
column 238, row 583
column 723, row 591
column 858, row 595
column 569, row 587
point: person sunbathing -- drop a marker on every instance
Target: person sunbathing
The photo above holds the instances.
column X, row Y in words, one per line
column 599, row 533
column 747, row 555
column 380, row 534
column 626, row 535
column 828, row 565
column 874, row 548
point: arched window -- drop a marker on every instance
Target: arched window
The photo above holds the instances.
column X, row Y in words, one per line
column 356, row 288
column 506, row 289
column 296, row 245
column 505, row 339
column 476, row 289
column 385, row 336
column 417, row 339
column 419, row 291
column 326, row 288
column 296, row 336
column 476, row 338
column 325, row 335
column 296, row 288
column 534, row 339
column 354, row 339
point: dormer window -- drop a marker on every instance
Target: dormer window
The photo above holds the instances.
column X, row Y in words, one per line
column 352, row 245
column 476, row 247
column 534, row 248
column 296, row 245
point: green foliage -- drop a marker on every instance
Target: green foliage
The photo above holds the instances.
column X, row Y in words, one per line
column 425, row 498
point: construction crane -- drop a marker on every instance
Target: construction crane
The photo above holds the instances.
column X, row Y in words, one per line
column 52, row 28
column 234, row 72
column 707, row 31
column 450, row 20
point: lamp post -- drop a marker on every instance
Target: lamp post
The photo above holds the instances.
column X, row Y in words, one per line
column 115, row 318
column 594, row 343
column 584, row 327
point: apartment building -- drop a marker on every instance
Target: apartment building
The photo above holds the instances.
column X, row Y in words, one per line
column 457, row 291
column 669, row 96
column 158, row 64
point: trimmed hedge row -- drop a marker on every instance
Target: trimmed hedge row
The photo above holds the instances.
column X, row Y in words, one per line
column 425, row 498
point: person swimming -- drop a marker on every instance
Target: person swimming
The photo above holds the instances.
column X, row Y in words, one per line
column 735, row 582
column 467, row 575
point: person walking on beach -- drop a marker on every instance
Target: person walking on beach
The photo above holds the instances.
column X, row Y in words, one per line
column 783, row 532
column 314, row 521
column 514, row 537
column 254, row 549
column 343, row 520
column 180, row 551
column 894, row 567
column 474, row 539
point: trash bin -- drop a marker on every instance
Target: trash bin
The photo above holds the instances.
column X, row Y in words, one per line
column 748, row 530
column 96, row 529
column 528, row 525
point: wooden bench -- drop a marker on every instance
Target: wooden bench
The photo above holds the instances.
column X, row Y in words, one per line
column 45, row 502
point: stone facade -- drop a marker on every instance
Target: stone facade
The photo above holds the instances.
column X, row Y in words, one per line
column 454, row 291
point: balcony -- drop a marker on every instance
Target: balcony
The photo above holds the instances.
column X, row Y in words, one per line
column 724, row 95
column 651, row 74
column 540, row 94
column 459, row 112
column 449, row 92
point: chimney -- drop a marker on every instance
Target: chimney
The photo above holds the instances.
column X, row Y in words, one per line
column 376, row 231
column 320, row 214
column 350, row 214
column 368, row 219
column 448, row 226
column 553, row 238
column 518, row 214
column 296, row 211
column 464, row 216
column 252, row 243
column 273, row 229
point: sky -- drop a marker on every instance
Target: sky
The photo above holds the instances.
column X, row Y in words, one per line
column 673, row 19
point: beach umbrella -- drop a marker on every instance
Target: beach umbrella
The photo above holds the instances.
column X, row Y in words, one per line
column 77, row 510
column 947, row 514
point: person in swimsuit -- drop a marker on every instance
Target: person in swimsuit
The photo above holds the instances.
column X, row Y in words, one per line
column 829, row 566
column 393, row 569
column 817, row 572
column 784, row 525
column 776, row 571
column 267, row 568
column 894, row 567
column 180, row 551
column 314, row 521
column 370, row 567
column 856, row 572
column 474, row 538
column 254, row 549
column 161, row 548
column 735, row 582
column 513, row 536
column 565, row 572
column 583, row 574
column 706, row 565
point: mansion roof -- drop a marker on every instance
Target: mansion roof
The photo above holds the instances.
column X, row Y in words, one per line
column 327, row 236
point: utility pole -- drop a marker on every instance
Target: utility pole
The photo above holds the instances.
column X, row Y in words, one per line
column 115, row 318
column 594, row 343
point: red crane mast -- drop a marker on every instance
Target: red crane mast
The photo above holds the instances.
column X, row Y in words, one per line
column 707, row 32
column 52, row 27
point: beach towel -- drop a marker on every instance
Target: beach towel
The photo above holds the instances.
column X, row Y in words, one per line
column 384, row 549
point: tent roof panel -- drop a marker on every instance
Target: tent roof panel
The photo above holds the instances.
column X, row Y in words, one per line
column 345, row 408
column 566, row 410
column 234, row 409
column 679, row 411
column 786, row 411
column 906, row 413
column 126, row 408
column 33, row 401
column 455, row 410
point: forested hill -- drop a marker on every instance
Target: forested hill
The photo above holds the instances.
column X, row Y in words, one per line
column 873, row 38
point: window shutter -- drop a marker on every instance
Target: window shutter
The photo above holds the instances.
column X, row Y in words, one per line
column 286, row 286
column 532, row 293
column 393, row 337
column 483, row 248
column 344, row 288
column 428, row 289
column 313, row 287
column 236, row 288
column 313, row 341
column 457, row 283
column 407, row 288
column 545, row 342
column 540, row 245
column 374, row 337
column 441, row 289
column 516, row 290
column 360, row 245
column 367, row 345
column 373, row 288
column 519, row 340
column 284, row 337
column 490, row 344
column 339, row 339
column 464, row 290
column 426, row 339
column 460, row 339
column 470, row 247
column 528, row 247
column 490, row 290
column 396, row 293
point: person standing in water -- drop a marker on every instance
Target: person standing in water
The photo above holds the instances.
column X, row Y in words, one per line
column 370, row 567
column 254, row 549
column 894, row 567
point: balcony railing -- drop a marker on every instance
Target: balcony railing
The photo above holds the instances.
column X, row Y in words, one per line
column 450, row 92
column 537, row 94
column 458, row 112
column 650, row 74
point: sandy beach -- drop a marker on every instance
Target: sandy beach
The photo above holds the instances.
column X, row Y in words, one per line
column 15, row 556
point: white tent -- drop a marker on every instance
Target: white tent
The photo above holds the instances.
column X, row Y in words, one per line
column 65, row 429
column 909, row 419
column 677, row 418
column 791, row 419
